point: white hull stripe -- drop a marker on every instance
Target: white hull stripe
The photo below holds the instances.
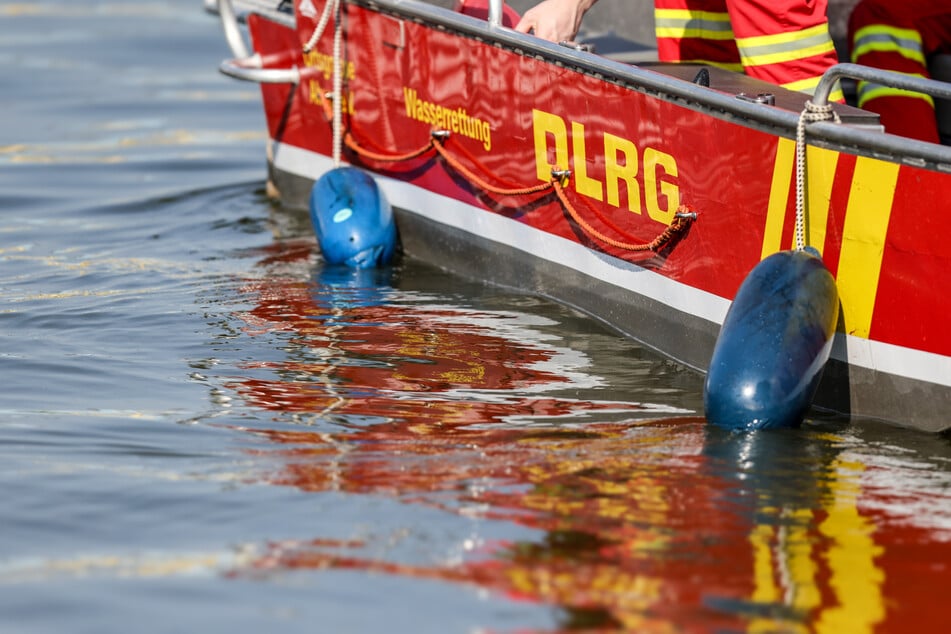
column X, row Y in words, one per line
column 873, row 355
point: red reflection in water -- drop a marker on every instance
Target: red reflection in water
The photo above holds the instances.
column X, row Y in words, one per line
column 353, row 352
column 659, row 527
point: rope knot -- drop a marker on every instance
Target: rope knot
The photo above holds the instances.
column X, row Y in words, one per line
column 813, row 112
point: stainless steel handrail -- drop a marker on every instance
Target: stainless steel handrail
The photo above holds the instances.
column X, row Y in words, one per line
column 250, row 69
column 495, row 12
column 245, row 66
column 721, row 105
column 864, row 141
column 229, row 22
column 879, row 76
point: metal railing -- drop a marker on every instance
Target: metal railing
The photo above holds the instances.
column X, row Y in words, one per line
column 889, row 78
column 756, row 115
column 244, row 65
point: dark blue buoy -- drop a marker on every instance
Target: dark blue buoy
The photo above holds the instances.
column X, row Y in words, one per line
column 773, row 345
column 352, row 219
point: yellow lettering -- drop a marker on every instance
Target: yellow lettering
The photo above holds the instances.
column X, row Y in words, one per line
column 313, row 91
column 615, row 172
column 409, row 100
column 456, row 121
column 544, row 124
column 325, row 64
column 655, row 187
column 583, row 183
column 656, row 177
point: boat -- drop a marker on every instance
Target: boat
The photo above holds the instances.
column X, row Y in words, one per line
column 641, row 194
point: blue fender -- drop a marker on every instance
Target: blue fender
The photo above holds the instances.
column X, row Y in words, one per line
column 352, row 219
column 773, row 345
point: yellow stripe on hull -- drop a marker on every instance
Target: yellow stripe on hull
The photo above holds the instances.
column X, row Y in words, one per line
column 863, row 241
column 866, row 223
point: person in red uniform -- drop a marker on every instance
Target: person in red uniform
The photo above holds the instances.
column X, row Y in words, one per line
column 900, row 36
column 784, row 42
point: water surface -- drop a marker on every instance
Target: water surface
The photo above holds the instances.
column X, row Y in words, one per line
column 202, row 428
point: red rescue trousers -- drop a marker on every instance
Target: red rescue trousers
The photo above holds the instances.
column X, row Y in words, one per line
column 784, row 42
column 900, row 36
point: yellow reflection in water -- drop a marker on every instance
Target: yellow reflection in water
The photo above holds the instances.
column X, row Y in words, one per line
column 790, row 562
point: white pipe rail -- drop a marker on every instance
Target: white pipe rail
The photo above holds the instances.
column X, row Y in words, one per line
column 890, row 78
column 245, row 66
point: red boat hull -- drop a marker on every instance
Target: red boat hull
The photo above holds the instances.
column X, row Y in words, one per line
column 636, row 157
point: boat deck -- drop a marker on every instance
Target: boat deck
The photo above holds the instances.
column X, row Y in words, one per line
column 750, row 89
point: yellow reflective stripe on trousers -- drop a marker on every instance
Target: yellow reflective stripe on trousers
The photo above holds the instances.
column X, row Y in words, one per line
column 868, row 91
column 683, row 23
column 808, row 86
column 785, row 47
column 879, row 38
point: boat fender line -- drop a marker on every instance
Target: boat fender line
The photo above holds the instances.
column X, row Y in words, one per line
column 773, row 345
column 336, row 115
column 352, row 219
column 682, row 218
column 811, row 113
column 329, row 7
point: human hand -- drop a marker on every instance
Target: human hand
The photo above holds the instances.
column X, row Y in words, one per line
column 555, row 20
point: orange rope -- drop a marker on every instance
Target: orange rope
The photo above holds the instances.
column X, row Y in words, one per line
column 681, row 221
column 324, row 102
column 483, row 184
column 385, row 158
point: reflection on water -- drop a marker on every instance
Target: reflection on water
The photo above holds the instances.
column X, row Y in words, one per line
column 357, row 352
column 647, row 519
column 201, row 429
column 374, row 427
